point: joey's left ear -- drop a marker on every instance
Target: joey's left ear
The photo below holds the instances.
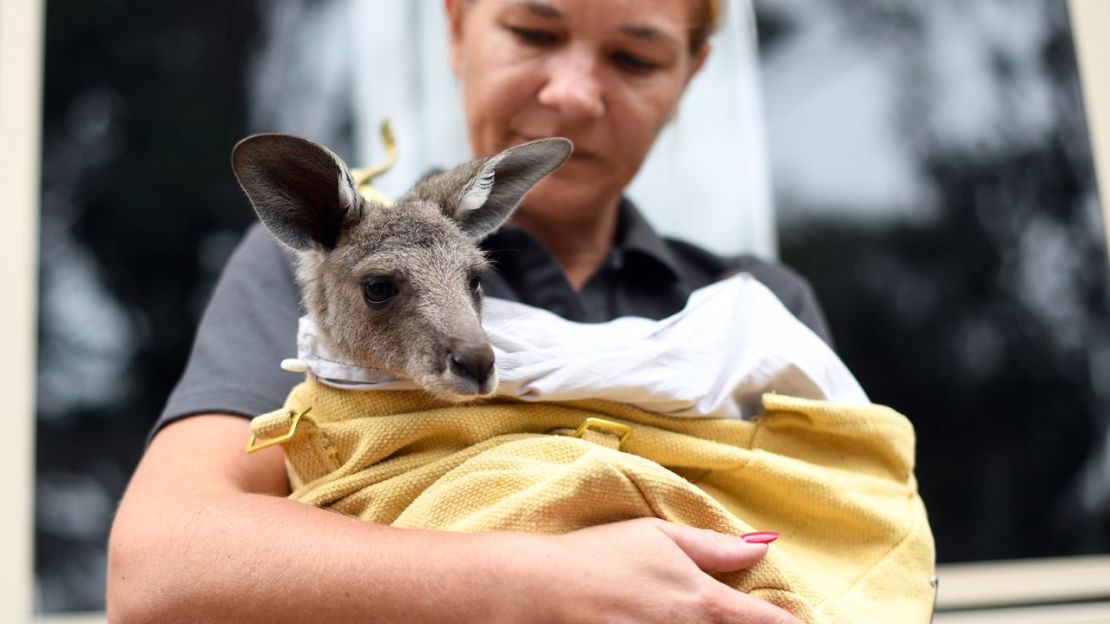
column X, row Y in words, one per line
column 490, row 196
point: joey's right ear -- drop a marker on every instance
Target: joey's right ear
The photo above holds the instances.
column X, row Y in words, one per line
column 301, row 191
column 501, row 181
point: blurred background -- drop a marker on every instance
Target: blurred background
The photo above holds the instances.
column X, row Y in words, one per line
column 925, row 165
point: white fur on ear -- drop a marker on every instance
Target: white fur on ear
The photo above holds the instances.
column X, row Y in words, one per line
column 346, row 191
column 477, row 192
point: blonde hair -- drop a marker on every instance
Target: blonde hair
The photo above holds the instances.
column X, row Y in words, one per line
column 707, row 18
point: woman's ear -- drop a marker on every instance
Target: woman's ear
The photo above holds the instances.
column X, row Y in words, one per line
column 455, row 11
column 697, row 62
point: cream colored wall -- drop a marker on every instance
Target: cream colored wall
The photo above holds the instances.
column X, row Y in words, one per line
column 1090, row 24
column 21, row 30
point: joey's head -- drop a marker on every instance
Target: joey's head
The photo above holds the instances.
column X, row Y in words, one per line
column 394, row 288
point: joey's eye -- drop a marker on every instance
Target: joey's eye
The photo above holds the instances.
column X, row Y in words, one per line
column 476, row 285
column 378, row 289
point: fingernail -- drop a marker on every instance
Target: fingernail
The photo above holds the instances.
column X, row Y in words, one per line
column 760, row 537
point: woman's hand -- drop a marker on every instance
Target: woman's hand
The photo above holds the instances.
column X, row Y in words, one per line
column 648, row 570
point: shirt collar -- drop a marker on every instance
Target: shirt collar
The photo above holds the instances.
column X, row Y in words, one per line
column 635, row 234
column 635, row 238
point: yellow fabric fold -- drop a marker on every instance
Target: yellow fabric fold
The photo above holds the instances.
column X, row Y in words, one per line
column 836, row 481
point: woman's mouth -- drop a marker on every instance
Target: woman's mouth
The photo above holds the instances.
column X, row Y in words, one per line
column 579, row 154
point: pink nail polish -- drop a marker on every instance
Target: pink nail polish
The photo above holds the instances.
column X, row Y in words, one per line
column 760, row 537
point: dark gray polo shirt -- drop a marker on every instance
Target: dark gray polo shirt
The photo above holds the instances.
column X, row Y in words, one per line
column 251, row 322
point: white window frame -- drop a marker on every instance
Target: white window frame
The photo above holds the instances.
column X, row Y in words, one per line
column 21, row 39
column 974, row 593
column 1089, row 22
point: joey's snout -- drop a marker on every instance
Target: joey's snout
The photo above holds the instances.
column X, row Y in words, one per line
column 472, row 368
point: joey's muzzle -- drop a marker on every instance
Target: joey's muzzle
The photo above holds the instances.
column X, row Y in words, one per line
column 473, row 365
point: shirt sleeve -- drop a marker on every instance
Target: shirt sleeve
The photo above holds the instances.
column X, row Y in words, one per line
column 792, row 290
column 250, row 325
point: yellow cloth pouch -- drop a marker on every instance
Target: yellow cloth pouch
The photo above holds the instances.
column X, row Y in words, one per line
column 836, row 481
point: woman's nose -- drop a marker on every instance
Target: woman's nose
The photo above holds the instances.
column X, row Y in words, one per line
column 573, row 86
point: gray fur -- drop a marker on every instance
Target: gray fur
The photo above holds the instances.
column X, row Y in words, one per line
column 514, row 172
column 429, row 332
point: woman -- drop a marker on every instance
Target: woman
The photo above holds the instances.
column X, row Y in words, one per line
column 204, row 532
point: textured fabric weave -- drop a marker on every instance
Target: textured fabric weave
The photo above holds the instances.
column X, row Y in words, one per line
column 835, row 480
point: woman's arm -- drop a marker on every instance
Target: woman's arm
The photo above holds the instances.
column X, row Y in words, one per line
column 204, row 534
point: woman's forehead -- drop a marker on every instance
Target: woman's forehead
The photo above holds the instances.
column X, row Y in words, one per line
column 653, row 19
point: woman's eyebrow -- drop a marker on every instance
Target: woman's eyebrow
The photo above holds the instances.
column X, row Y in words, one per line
column 649, row 33
column 541, row 9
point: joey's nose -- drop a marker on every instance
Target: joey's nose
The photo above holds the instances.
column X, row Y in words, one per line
column 474, row 363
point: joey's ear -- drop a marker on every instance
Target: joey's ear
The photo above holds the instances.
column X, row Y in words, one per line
column 490, row 196
column 301, row 191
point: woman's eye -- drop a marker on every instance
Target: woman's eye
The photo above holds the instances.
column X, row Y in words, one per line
column 378, row 290
column 533, row 36
column 633, row 63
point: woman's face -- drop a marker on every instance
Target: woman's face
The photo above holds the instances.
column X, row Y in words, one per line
column 607, row 74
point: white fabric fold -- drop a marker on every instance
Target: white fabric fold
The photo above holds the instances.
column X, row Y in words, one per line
column 733, row 342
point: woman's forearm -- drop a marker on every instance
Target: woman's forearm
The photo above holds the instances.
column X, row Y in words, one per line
column 196, row 540
column 257, row 558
